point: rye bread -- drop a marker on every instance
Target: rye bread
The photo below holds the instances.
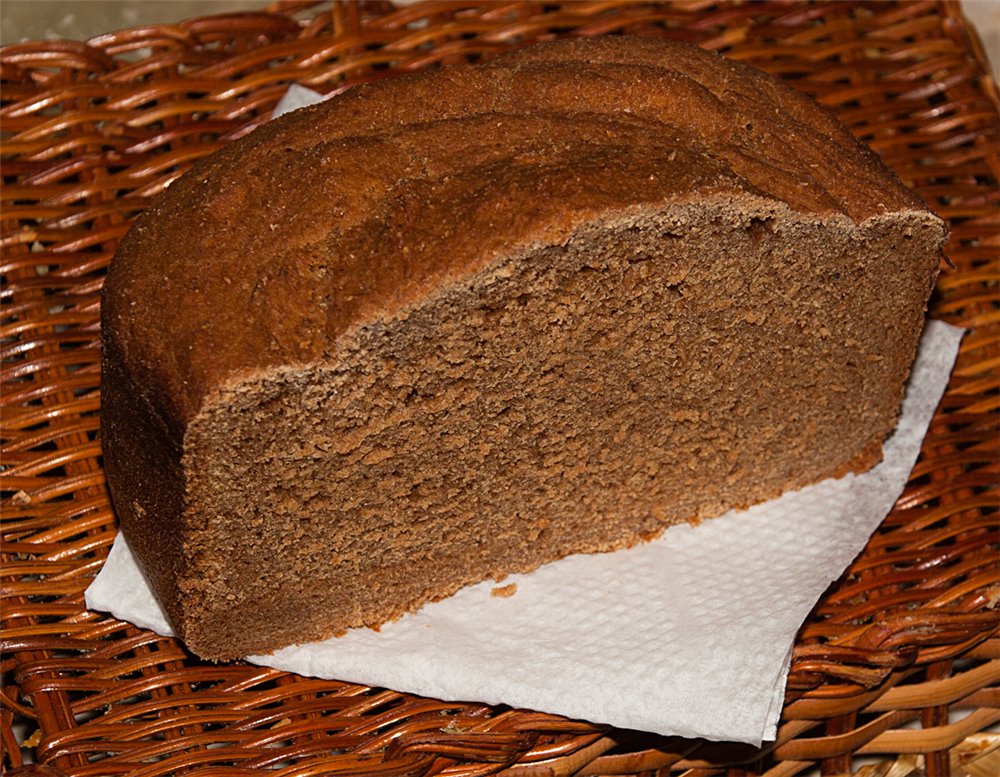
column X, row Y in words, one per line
column 457, row 324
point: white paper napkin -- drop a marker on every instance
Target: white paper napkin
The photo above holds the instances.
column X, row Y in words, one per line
column 296, row 97
column 688, row 635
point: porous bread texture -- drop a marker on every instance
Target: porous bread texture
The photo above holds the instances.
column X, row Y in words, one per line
column 456, row 325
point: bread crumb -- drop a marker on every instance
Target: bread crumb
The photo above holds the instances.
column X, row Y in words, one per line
column 504, row 591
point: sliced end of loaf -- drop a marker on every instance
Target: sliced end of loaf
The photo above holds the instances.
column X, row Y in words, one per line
column 662, row 365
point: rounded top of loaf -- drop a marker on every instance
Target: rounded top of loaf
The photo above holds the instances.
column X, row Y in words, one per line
column 271, row 249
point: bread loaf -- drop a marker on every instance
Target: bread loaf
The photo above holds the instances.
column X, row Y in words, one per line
column 454, row 325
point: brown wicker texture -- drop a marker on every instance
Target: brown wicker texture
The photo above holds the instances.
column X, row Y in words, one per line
column 900, row 659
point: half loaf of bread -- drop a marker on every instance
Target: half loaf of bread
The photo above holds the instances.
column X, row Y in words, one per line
column 454, row 325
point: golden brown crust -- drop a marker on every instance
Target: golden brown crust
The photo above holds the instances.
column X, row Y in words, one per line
column 307, row 213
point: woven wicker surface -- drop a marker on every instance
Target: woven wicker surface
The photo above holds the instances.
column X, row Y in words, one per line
column 900, row 659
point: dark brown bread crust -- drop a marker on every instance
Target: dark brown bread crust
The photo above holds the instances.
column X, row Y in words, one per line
column 278, row 248
column 677, row 118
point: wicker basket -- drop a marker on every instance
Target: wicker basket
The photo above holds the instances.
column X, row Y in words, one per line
column 900, row 659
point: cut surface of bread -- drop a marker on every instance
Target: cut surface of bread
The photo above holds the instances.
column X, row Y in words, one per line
column 456, row 325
